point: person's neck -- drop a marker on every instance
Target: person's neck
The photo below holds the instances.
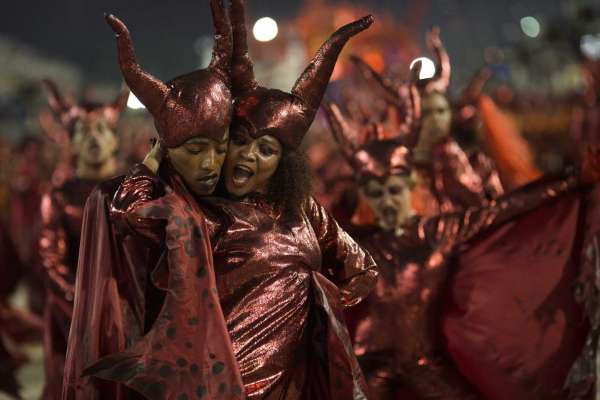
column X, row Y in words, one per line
column 96, row 171
column 423, row 151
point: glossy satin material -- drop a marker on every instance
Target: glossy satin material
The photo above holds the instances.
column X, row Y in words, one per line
column 453, row 182
column 535, row 344
column 197, row 103
column 415, row 268
column 165, row 340
column 269, row 276
column 273, row 364
column 62, row 212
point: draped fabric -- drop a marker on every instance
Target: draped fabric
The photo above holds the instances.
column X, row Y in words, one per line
column 512, row 322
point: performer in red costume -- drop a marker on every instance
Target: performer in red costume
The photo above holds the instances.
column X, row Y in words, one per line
column 491, row 331
column 94, row 143
column 447, row 179
column 16, row 326
column 150, row 288
column 264, row 319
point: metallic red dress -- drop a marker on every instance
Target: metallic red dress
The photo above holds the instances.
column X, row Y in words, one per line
column 409, row 298
column 275, row 286
column 276, row 292
column 62, row 212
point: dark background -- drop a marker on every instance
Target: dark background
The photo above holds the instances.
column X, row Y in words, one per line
column 165, row 32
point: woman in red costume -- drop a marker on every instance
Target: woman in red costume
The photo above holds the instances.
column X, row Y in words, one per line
column 409, row 321
column 94, row 144
column 241, row 286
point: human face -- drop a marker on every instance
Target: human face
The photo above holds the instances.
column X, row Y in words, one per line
column 436, row 118
column 94, row 141
column 251, row 163
column 389, row 199
column 198, row 161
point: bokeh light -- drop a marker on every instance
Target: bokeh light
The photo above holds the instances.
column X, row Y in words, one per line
column 590, row 46
column 530, row 27
column 265, row 29
column 427, row 67
column 134, row 103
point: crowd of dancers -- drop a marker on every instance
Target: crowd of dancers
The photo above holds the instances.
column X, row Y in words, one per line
column 211, row 269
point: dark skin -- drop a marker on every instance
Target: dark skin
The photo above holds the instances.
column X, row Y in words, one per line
column 198, row 161
column 250, row 163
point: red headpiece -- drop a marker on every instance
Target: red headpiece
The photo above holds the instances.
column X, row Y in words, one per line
column 286, row 116
column 68, row 113
column 438, row 83
column 369, row 149
column 197, row 103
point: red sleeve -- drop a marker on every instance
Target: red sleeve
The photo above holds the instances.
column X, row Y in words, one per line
column 350, row 267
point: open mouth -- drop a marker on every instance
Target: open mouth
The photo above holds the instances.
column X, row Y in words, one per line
column 242, row 174
column 390, row 215
column 209, row 180
column 94, row 148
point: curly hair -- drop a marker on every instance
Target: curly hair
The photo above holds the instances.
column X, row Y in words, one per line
column 291, row 184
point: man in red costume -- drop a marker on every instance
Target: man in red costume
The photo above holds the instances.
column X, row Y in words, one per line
column 220, row 298
column 94, row 143
column 478, row 325
column 128, row 287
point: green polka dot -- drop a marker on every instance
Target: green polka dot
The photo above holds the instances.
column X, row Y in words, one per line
column 218, row 367
column 201, row 391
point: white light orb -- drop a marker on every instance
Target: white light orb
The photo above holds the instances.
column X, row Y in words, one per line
column 590, row 46
column 134, row 103
column 265, row 29
column 427, row 67
column 530, row 27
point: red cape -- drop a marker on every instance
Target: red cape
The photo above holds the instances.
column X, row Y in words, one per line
column 512, row 322
column 107, row 338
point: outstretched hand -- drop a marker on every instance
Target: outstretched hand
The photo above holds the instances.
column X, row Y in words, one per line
column 154, row 156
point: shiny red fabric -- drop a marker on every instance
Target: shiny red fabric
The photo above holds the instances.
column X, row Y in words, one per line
column 62, row 212
column 198, row 102
column 454, row 182
column 283, row 286
column 162, row 357
column 512, row 323
column 183, row 351
column 416, row 265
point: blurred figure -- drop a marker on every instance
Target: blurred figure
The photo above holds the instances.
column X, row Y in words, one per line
column 93, row 144
column 447, row 177
column 424, row 335
column 27, row 186
column 16, row 327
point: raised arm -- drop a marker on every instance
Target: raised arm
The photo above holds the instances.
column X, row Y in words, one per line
column 457, row 228
column 349, row 266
